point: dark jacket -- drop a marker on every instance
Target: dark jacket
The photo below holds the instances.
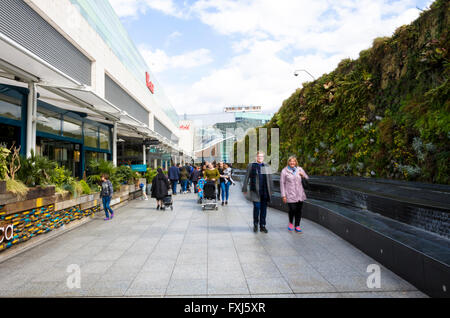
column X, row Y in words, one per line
column 252, row 181
column 195, row 175
column 160, row 187
column 174, row 173
column 107, row 189
column 184, row 175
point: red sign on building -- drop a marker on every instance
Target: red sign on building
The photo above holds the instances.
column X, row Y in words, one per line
column 149, row 84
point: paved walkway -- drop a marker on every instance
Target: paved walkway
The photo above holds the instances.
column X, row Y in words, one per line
column 189, row 252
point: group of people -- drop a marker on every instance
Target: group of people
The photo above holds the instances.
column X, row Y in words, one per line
column 257, row 185
column 189, row 176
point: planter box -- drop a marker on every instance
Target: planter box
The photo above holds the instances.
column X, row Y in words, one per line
column 39, row 192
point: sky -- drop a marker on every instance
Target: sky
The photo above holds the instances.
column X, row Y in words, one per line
column 209, row 54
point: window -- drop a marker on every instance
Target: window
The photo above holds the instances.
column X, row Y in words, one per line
column 10, row 107
column 90, row 135
column 48, row 121
column 105, row 138
column 72, row 128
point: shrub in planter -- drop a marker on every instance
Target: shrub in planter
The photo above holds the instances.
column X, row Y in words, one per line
column 37, row 170
column 17, row 187
column 97, row 168
column 85, row 187
column 124, row 175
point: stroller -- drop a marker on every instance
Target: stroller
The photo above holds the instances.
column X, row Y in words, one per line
column 168, row 202
column 200, row 185
column 209, row 196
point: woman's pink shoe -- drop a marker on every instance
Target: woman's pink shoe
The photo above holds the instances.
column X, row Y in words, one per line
column 297, row 229
column 291, row 227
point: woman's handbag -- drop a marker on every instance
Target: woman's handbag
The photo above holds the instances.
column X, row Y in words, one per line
column 305, row 184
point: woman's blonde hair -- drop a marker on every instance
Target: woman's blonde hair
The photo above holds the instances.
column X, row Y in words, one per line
column 292, row 158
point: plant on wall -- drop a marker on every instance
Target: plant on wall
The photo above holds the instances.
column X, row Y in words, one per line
column 385, row 114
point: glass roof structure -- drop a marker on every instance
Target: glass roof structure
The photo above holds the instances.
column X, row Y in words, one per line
column 103, row 19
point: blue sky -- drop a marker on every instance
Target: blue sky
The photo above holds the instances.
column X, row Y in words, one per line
column 208, row 54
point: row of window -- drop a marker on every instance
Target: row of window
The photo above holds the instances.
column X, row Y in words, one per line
column 55, row 123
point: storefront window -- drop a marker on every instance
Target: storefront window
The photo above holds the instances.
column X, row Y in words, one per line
column 90, row 136
column 10, row 107
column 72, row 128
column 65, row 153
column 104, row 139
column 48, row 121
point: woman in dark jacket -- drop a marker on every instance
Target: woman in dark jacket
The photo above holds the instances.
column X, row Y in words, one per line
column 160, row 188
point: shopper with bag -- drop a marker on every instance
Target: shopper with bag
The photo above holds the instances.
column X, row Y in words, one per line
column 293, row 192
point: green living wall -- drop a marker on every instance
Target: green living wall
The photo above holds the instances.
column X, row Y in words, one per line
column 385, row 114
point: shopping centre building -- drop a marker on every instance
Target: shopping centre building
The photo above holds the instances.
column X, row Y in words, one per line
column 74, row 87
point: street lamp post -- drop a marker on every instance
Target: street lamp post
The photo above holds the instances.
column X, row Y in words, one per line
column 298, row 71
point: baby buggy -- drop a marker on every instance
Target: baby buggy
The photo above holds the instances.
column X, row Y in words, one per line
column 168, row 202
column 209, row 200
column 200, row 185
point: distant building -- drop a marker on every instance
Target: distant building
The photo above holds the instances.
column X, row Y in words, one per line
column 210, row 140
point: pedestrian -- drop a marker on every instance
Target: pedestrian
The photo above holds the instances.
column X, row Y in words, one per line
column 259, row 175
column 220, row 168
column 211, row 174
column 195, row 176
column 142, row 186
column 184, row 178
column 106, row 195
column 160, row 188
column 225, row 184
column 174, row 176
column 292, row 191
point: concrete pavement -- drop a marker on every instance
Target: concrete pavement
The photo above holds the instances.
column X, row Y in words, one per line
column 188, row 252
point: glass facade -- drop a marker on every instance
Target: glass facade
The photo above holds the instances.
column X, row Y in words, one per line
column 105, row 138
column 102, row 18
column 10, row 107
column 9, row 135
column 48, row 121
column 90, row 135
column 72, row 128
column 67, row 154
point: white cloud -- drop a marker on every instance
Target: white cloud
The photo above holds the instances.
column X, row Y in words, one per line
column 312, row 35
column 328, row 31
column 159, row 61
column 133, row 8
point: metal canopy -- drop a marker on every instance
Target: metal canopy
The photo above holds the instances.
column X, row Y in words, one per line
column 29, row 67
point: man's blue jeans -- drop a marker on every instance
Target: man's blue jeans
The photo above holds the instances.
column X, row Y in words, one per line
column 259, row 213
column 106, row 201
column 174, row 186
column 225, row 190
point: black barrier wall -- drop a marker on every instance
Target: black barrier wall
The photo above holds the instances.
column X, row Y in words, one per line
column 387, row 222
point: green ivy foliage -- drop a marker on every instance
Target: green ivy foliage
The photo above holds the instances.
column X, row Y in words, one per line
column 385, row 114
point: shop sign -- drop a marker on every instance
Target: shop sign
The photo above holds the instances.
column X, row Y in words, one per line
column 140, row 168
column 149, row 84
column 6, row 232
column 185, row 125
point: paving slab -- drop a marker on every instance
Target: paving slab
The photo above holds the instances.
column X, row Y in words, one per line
column 188, row 252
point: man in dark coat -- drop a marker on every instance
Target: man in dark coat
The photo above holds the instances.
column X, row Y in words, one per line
column 174, row 176
column 259, row 175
